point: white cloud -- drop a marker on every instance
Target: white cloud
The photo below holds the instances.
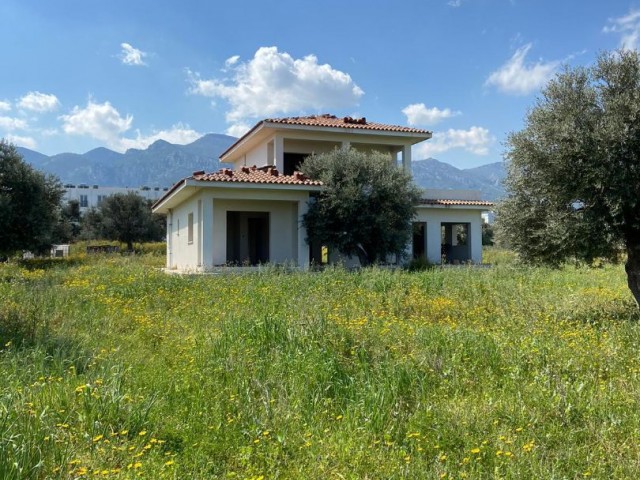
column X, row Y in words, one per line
column 5, row 106
column 229, row 62
column 419, row 114
column 180, row 134
column 98, row 120
column 274, row 83
column 27, row 142
column 238, row 129
column 10, row 123
column 476, row 140
column 628, row 26
column 517, row 78
column 454, row 3
column 39, row 102
column 131, row 55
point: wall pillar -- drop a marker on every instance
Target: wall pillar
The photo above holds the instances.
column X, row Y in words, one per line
column 206, row 230
column 170, row 239
column 475, row 239
column 406, row 158
column 278, row 152
column 433, row 248
column 303, row 247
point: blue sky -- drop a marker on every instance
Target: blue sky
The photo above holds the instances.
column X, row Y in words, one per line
column 122, row 74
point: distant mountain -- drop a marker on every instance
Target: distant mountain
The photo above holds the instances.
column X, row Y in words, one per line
column 162, row 164
column 432, row 173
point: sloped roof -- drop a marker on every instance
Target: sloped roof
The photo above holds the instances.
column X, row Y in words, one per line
column 255, row 175
column 448, row 203
column 328, row 120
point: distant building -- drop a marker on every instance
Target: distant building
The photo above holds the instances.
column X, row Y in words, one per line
column 489, row 217
column 91, row 196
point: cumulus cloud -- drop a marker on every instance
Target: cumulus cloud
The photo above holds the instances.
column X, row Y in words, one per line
column 39, row 102
column 454, row 3
column 419, row 114
column 238, row 129
column 27, row 142
column 180, row 134
column 518, row 78
column 4, row 106
column 476, row 140
column 274, row 83
column 132, row 56
column 231, row 61
column 98, row 120
column 10, row 123
column 628, row 26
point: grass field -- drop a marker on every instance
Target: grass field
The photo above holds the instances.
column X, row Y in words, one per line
column 111, row 368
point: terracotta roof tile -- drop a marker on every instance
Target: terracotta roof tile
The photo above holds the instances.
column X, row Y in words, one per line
column 255, row 175
column 446, row 202
column 328, row 120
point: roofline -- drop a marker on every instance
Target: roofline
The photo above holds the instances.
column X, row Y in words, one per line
column 267, row 123
column 191, row 182
column 459, row 206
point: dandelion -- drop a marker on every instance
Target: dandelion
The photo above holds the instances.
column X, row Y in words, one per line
column 97, row 438
column 475, row 451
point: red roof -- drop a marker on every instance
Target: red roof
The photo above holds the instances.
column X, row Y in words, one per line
column 328, row 120
column 446, row 202
column 255, row 175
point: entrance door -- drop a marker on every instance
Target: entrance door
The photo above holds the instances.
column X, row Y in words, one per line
column 419, row 239
column 247, row 238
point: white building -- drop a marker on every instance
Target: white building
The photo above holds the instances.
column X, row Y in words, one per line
column 90, row 196
column 252, row 213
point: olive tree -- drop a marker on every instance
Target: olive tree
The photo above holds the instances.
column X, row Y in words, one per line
column 29, row 205
column 573, row 182
column 366, row 206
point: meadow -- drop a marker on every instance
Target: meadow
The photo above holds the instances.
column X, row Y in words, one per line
column 110, row 368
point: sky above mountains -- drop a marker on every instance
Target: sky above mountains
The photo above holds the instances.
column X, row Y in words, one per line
column 122, row 74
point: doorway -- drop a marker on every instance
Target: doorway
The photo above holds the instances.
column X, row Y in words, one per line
column 247, row 238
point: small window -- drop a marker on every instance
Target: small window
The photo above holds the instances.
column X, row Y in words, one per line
column 84, row 201
column 190, row 228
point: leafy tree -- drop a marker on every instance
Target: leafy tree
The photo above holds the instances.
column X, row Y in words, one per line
column 125, row 217
column 573, row 180
column 29, row 205
column 366, row 206
column 487, row 234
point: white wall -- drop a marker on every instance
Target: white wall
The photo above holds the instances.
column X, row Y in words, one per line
column 180, row 253
column 434, row 217
column 94, row 193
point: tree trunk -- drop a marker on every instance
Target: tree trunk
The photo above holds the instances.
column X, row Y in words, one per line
column 632, row 267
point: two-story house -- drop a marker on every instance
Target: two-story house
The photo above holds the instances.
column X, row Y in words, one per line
column 251, row 213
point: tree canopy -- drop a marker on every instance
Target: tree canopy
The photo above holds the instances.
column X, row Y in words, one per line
column 573, row 179
column 125, row 217
column 29, row 205
column 366, row 207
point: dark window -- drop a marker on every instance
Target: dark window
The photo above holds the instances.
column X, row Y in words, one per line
column 292, row 162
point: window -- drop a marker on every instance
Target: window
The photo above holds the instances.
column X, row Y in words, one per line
column 100, row 199
column 84, row 201
column 190, row 228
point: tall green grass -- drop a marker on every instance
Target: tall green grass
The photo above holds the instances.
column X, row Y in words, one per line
column 111, row 368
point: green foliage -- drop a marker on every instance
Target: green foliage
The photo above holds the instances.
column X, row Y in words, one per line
column 29, row 205
column 573, row 179
column 487, row 234
column 125, row 217
column 366, row 207
column 108, row 365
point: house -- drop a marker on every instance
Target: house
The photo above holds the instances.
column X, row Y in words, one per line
column 251, row 213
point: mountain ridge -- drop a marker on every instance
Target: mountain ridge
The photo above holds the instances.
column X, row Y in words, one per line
column 162, row 164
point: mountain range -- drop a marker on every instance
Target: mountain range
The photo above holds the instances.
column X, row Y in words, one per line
column 163, row 163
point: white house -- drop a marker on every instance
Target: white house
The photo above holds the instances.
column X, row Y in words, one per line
column 91, row 196
column 251, row 213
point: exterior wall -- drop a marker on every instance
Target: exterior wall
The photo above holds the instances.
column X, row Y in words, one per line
column 434, row 217
column 283, row 235
column 181, row 253
column 257, row 156
column 209, row 207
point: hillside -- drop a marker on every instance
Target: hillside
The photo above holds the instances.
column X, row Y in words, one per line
column 163, row 163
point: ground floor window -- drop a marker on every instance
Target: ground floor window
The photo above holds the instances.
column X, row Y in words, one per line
column 247, row 238
column 419, row 240
column 456, row 245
